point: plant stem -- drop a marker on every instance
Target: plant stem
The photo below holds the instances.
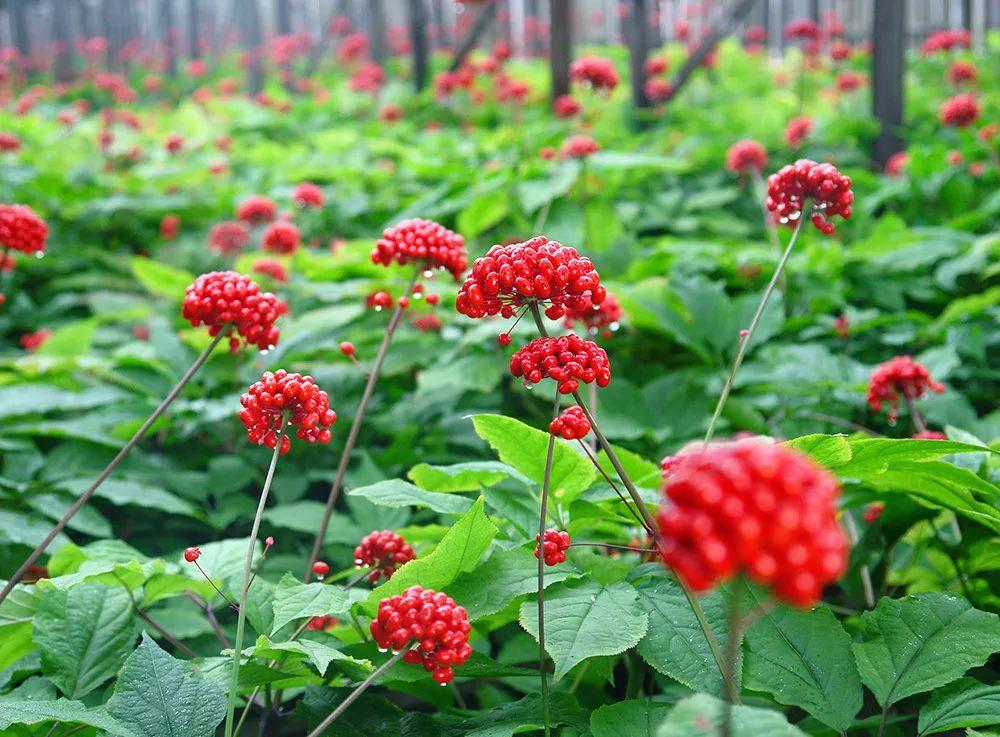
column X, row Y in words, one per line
column 745, row 339
column 248, row 566
column 155, row 625
column 866, row 574
column 543, row 510
column 210, row 615
column 362, row 687
column 615, row 546
column 915, row 416
column 359, row 416
column 760, row 192
column 732, row 649
column 590, row 455
column 85, row 497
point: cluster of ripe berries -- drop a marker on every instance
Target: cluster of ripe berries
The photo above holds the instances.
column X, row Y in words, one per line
column 553, row 545
column 228, row 238
column 307, row 194
column 596, row 71
column 763, row 510
column 959, row 111
column 579, row 147
column 291, row 398
column 438, row 627
column 826, row 190
column 225, row 300
column 422, row 242
column 567, row 360
column 746, row 156
column 899, row 376
column 602, row 318
column 538, row 270
column 21, row 229
column 571, row 424
column 383, row 551
column 257, row 210
column 281, row 236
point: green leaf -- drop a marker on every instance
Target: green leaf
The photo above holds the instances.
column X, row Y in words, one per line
column 462, row 476
column 513, row 718
column 159, row 696
column 70, row 340
column 921, row 642
column 635, row 718
column 702, row 715
column 586, row 618
column 804, row 659
column 458, row 552
column 397, row 493
column 166, row 281
column 481, row 214
column 505, row 576
column 84, row 634
column 879, row 454
column 827, row 450
column 296, row 600
column 317, row 653
column 121, row 492
column 525, row 448
column 63, row 711
column 964, row 703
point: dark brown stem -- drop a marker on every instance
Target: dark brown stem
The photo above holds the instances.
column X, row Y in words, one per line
column 210, row 615
column 915, row 416
column 155, row 625
column 235, row 607
column 85, row 497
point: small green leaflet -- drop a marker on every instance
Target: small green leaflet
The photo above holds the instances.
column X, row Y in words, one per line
column 296, row 600
column 964, row 703
column 63, row 711
column 397, row 493
column 701, row 715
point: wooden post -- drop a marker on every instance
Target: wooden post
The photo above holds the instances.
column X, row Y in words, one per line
column 889, row 22
column 418, row 40
column 638, row 50
column 169, row 34
column 253, row 37
column 193, row 29
column 283, row 16
column 483, row 21
column 560, row 45
column 376, row 29
column 63, row 45
column 17, row 10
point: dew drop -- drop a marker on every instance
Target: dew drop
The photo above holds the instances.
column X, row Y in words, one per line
column 39, row 254
column 378, row 308
column 428, row 273
column 383, row 650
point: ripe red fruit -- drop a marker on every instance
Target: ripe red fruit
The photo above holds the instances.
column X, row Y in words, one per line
column 321, row 568
column 873, row 511
column 797, row 129
column 566, row 106
column 595, row 71
column 322, row 623
column 602, row 318
column 433, row 621
column 899, row 376
column 192, row 554
column 281, row 236
column 929, row 435
column 433, row 299
column 746, row 156
column 766, row 511
column 962, row 71
column 578, row 147
column 169, row 227
column 347, row 348
column 554, row 546
column 33, row 341
column 667, row 464
column 427, row 323
column 9, row 142
column 228, row 238
column 503, row 339
column 270, row 267
column 571, row 424
column 403, row 302
column 290, row 398
column 379, row 301
column 568, row 360
column 896, row 163
column 658, row 89
column 308, row 194
column 539, row 271
column 229, row 302
column 820, row 187
column 959, row 111
column 257, row 210
column 422, row 242
column 21, row 229
column 174, row 143
column 383, row 551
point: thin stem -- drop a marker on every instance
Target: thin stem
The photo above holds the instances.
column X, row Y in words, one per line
column 638, row 518
column 866, row 574
column 210, row 615
column 732, row 650
column 219, row 591
column 746, row 337
column 760, row 193
column 247, row 567
column 85, row 497
column 359, row 417
column 541, row 568
column 361, row 688
column 155, row 625
column 592, row 391
column 915, row 416
column 833, row 420
column 632, row 548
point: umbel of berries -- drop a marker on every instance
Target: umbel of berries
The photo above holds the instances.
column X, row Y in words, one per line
column 422, row 242
column 571, row 424
column 537, row 271
column 567, row 360
column 899, row 377
column 293, row 399
column 748, row 508
column 554, row 544
column 431, row 624
column 383, row 551
column 232, row 304
column 22, row 230
column 806, row 187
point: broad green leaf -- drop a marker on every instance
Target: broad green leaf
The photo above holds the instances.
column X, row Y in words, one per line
column 515, row 717
column 121, row 492
column 702, row 715
column 481, row 214
column 635, row 718
column 964, row 703
column 586, row 618
column 84, row 634
column 160, row 279
column 827, row 450
column 15, row 642
column 804, row 659
column 296, row 600
column 458, row 552
column 25, row 529
column 317, row 653
column 462, row 476
column 63, row 711
column 70, row 340
column 921, row 642
column 878, row 454
column 525, row 448
column 505, row 576
column 397, row 493
column 159, row 696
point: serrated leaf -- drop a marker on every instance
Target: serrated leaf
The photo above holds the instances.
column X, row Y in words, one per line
column 804, row 659
column 84, row 634
column 921, row 642
column 831, row 451
column 396, row 493
column 157, row 695
column 121, row 492
column 586, row 618
column 62, row 711
column 964, row 703
column 509, row 719
column 506, row 575
column 296, row 600
column 161, row 279
column 462, row 476
column 317, row 653
column 702, row 715
column 635, row 718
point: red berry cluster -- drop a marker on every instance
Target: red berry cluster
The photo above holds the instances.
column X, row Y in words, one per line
column 803, row 28
column 227, row 301
column 383, row 551
column 578, row 147
column 308, row 194
column 169, row 227
column 899, row 376
column 21, row 229
column 962, row 71
column 746, row 156
column 257, row 210
column 897, row 163
column 281, row 236
column 667, row 464
column 432, row 620
column 566, row 106
column 929, row 435
column 321, row 623
column 9, row 142
column 658, row 89
column 764, row 510
column 959, row 111
column 792, row 185
column 571, row 424
column 602, row 318
column 425, row 242
column 554, row 545
column 228, row 238
column 290, row 398
column 538, row 270
column 797, row 130
column 567, row 360
column 946, row 39
column 270, row 267
column 596, row 71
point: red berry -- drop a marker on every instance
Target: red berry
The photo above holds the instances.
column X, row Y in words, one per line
column 797, row 129
column 900, row 376
column 228, row 238
column 322, row 623
column 960, row 111
column 231, row 302
column 379, row 301
column 403, row 302
column 820, row 187
column 578, row 147
column 554, row 545
column 257, row 210
column 290, row 398
column 270, row 267
column 746, row 156
column 422, row 242
column 602, row 318
column 169, row 227
column 21, row 229
column 383, row 551
column 873, row 511
column 308, row 194
column 281, row 236
column 571, row 424
column 433, row 299
column 268, row 541
column 929, row 435
column 504, row 339
column 567, row 360
column 347, row 348
column 321, row 568
column 192, row 554
column 596, row 72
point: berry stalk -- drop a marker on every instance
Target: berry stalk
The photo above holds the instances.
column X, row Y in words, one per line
column 543, row 510
column 126, row 449
column 247, row 569
column 359, row 416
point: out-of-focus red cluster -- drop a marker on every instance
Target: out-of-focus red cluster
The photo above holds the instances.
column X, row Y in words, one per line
column 228, row 238
column 597, row 72
column 602, row 318
column 959, row 111
column 946, row 39
column 579, row 147
column 307, row 194
column 746, row 156
column 257, row 210
column 281, row 236
column 383, row 551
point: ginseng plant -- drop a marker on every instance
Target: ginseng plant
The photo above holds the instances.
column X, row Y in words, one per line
column 428, row 247
column 20, row 230
column 231, row 306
